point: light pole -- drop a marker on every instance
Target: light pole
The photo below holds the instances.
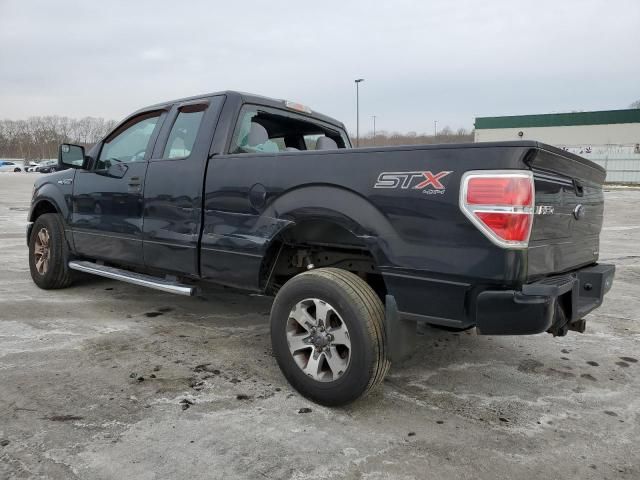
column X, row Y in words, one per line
column 358, row 80
column 374, row 129
column 435, row 128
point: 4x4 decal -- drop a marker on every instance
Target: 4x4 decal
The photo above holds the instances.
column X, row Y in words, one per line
column 426, row 181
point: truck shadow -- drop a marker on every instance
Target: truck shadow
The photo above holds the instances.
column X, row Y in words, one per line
column 508, row 381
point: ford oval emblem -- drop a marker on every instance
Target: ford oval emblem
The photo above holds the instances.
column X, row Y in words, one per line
column 579, row 212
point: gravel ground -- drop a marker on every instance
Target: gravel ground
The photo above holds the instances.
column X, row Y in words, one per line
column 109, row 380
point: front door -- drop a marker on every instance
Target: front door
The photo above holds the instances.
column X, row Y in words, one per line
column 107, row 199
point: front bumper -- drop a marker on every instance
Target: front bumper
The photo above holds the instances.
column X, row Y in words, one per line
column 553, row 304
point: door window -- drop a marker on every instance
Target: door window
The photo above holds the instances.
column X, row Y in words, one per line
column 129, row 144
column 183, row 133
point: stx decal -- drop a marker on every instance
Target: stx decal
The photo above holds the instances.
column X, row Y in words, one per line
column 414, row 180
column 433, row 180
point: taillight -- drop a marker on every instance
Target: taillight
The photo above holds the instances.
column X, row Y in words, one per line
column 500, row 203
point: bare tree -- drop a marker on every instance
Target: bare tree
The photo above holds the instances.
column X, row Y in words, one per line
column 385, row 138
column 445, row 132
column 39, row 137
column 635, row 104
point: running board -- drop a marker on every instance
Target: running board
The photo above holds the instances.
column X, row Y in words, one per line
column 132, row 277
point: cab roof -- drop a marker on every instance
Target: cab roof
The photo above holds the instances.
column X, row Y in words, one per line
column 246, row 98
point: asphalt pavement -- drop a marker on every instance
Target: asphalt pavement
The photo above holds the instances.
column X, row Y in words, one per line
column 105, row 380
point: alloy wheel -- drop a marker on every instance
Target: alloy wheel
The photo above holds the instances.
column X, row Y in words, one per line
column 318, row 340
column 42, row 251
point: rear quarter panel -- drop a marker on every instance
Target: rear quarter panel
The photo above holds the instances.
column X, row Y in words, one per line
column 412, row 232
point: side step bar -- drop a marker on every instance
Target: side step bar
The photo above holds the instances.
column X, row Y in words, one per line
column 132, row 277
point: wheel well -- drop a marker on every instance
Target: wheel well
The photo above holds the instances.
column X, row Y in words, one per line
column 314, row 244
column 41, row 208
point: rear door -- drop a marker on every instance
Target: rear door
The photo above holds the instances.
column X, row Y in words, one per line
column 106, row 217
column 568, row 213
column 173, row 187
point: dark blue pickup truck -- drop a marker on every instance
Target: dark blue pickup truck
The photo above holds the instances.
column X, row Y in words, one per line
column 356, row 245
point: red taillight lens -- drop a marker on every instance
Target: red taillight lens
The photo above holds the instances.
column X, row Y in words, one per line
column 499, row 191
column 513, row 227
column 500, row 204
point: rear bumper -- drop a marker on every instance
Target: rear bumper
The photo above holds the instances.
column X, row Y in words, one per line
column 553, row 304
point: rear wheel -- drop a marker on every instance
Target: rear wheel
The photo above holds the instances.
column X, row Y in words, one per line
column 327, row 332
column 49, row 253
column 16, row 170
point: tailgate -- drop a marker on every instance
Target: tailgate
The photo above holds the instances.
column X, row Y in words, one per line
column 568, row 212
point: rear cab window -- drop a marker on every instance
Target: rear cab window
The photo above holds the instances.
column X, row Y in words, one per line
column 261, row 129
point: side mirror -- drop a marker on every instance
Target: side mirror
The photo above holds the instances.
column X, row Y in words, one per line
column 71, row 156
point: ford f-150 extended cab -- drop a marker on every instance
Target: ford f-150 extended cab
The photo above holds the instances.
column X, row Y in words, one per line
column 356, row 245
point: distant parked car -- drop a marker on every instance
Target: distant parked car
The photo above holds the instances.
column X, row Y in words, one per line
column 47, row 166
column 9, row 166
column 31, row 166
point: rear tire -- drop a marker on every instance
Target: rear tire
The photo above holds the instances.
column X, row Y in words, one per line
column 49, row 253
column 350, row 306
column 16, row 170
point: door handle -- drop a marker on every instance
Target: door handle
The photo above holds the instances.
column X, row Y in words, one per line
column 134, row 185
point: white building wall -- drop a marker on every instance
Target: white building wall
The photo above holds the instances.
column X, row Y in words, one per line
column 616, row 147
column 620, row 133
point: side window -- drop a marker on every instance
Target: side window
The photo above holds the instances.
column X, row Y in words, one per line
column 130, row 144
column 269, row 130
column 184, row 131
column 251, row 136
column 280, row 142
column 310, row 141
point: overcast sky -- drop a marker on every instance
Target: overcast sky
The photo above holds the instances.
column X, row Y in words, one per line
column 422, row 61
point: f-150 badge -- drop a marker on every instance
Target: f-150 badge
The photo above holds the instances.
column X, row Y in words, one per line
column 428, row 182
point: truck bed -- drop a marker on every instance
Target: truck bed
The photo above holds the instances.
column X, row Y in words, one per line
column 421, row 241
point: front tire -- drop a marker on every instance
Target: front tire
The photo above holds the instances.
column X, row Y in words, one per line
column 327, row 333
column 49, row 253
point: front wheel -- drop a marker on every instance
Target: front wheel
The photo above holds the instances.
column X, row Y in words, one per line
column 49, row 253
column 327, row 333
